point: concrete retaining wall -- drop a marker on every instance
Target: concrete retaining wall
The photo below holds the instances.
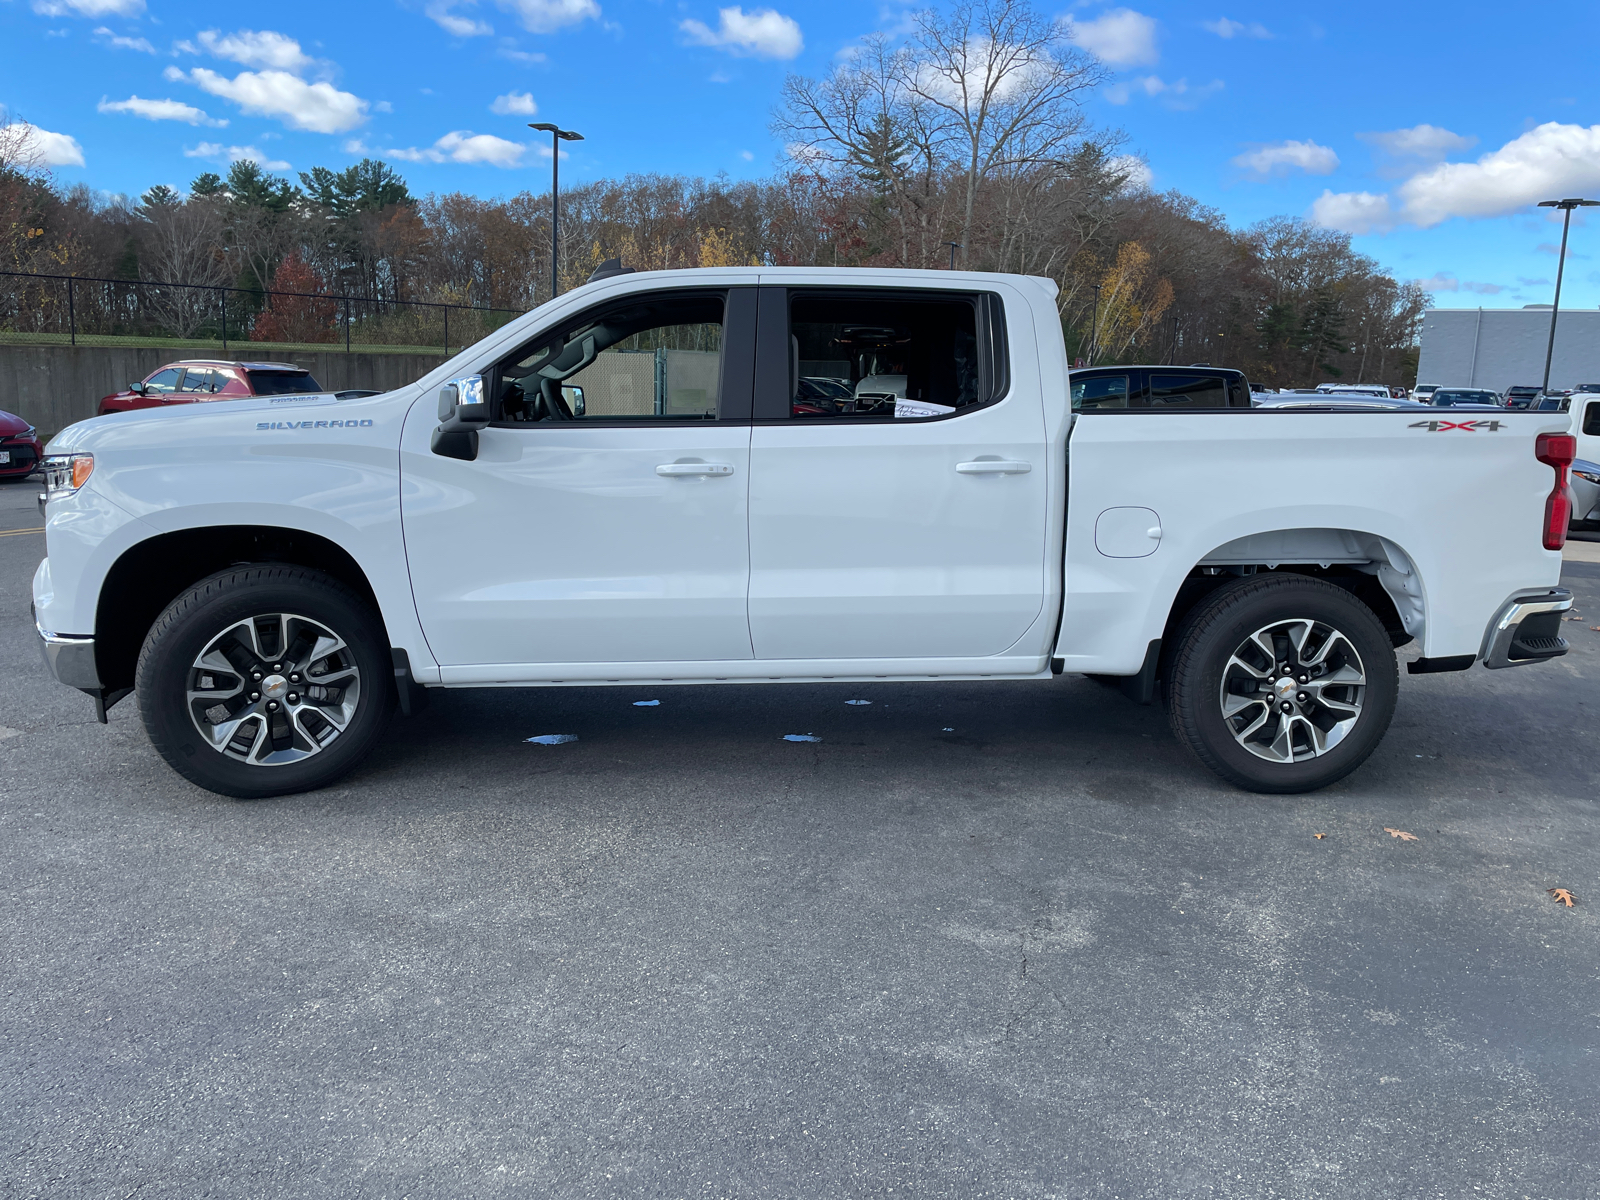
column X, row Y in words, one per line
column 53, row 386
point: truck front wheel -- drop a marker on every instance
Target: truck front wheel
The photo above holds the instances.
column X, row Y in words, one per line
column 261, row 681
column 1282, row 683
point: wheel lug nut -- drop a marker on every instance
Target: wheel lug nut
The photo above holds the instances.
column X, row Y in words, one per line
column 293, row 699
column 272, row 706
column 256, row 675
column 254, row 696
column 1305, row 679
column 276, row 666
column 1303, row 698
column 294, row 679
column 1286, row 706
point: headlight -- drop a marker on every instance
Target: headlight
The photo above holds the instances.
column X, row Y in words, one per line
column 1591, row 476
column 64, row 474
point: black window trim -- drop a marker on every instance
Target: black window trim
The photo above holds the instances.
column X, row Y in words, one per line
column 773, row 359
column 736, row 365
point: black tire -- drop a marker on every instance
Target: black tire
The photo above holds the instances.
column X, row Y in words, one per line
column 193, row 623
column 1204, row 663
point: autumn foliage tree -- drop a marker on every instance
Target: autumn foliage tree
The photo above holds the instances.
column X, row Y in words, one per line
column 294, row 311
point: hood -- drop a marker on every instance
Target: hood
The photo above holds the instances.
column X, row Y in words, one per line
column 86, row 434
column 11, row 423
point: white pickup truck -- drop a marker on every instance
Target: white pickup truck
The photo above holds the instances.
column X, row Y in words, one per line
column 755, row 475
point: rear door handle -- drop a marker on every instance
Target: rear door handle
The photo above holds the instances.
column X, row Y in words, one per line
column 994, row 466
column 694, row 468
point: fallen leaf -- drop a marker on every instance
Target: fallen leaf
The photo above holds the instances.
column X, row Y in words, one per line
column 1399, row 833
column 1596, row 628
column 1562, row 896
column 1319, row 836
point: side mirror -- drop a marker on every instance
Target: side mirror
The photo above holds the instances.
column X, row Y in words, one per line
column 136, row 388
column 463, row 410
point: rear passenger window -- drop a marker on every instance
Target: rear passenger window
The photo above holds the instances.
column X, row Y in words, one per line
column 1105, row 391
column 886, row 356
column 1187, row 391
column 1591, row 419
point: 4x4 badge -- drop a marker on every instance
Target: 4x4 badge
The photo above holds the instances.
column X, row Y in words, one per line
column 1441, row 426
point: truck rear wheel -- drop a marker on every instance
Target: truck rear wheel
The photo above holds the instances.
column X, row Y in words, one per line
column 261, row 681
column 1282, row 683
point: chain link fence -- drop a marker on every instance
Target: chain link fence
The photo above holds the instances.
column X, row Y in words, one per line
column 85, row 311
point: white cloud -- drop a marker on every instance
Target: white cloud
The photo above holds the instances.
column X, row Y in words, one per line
column 233, row 154
column 464, row 146
column 318, row 107
column 442, row 12
column 747, row 156
column 514, row 104
column 1428, row 142
column 1280, row 158
column 252, row 49
column 88, row 8
column 508, row 50
column 546, row 16
column 44, row 148
column 1138, row 172
column 1353, row 212
column 124, row 43
column 159, row 110
column 1225, row 28
column 762, row 33
column 1546, row 163
column 1119, row 38
column 1444, row 281
column 1180, row 93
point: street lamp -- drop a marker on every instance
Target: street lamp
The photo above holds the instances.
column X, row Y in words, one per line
column 1566, row 207
column 557, row 136
column 954, row 246
column 1094, row 325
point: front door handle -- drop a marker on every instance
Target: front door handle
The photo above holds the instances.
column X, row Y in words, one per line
column 694, row 468
column 994, row 466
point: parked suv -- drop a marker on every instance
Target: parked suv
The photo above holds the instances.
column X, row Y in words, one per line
column 1521, row 395
column 1159, row 387
column 194, row 380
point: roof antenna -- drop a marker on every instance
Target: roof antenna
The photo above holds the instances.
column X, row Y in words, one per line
column 611, row 266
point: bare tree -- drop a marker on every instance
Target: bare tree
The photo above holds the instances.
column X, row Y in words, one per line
column 182, row 243
column 1006, row 85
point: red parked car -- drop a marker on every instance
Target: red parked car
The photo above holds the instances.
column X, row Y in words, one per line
column 194, row 380
column 20, row 448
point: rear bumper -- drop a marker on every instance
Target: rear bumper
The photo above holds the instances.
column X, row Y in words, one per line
column 70, row 659
column 1527, row 629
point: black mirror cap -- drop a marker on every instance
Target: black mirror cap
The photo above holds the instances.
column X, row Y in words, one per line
column 456, row 443
column 611, row 266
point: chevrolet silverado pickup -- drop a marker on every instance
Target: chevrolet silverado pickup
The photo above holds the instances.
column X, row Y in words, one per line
column 754, row 475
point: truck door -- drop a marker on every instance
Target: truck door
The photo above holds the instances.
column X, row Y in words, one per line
column 898, row 477
column 605, row 517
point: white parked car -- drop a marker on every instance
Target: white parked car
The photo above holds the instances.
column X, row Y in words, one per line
column 1423, row 392
column 274, row 574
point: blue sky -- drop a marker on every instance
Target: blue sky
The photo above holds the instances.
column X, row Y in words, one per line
column 1425, row 128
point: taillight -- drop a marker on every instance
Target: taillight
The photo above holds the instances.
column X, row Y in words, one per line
column 1557, row 450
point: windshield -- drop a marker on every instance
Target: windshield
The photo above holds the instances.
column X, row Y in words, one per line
column 282, row 383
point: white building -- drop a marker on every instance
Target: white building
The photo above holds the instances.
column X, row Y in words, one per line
column 1498, row 347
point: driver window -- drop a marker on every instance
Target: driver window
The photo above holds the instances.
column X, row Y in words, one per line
column 163, row 382
column 647, row 358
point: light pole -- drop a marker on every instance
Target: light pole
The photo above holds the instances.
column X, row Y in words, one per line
column 954, row 246
column 1094, row 325
column 557, row 136
column 1566, row 207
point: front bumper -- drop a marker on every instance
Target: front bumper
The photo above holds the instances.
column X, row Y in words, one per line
column 70, row 659
column 1527, row 630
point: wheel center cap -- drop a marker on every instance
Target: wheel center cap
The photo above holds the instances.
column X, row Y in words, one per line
column 273, row 687
column 1285, row 688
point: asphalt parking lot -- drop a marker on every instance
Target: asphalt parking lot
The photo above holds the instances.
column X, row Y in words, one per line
column 1000, row 940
